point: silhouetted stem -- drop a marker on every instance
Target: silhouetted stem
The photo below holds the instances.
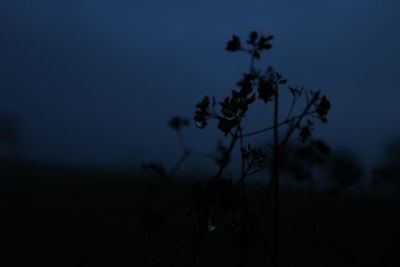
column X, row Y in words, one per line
column 314, row 219
column 227, row 156
column 176, row 250
column 181, row 140
column 264, row 129
column 298, row 119
column 275, row 177
column 244, row 174
column 124, row 221
column 243, row 169
column 203, row 224
column 272, row 127
column 294, row 100
column 146, row 246
column 179, row 163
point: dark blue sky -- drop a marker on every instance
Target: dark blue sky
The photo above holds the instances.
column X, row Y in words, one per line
column 95, row 82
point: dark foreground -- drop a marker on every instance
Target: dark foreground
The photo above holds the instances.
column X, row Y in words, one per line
column 88, row 220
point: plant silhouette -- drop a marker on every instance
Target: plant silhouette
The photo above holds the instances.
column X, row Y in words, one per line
column 231, row 218
column 221, row 204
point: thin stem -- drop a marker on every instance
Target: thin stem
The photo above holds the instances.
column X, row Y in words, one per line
column 314, row 222
column 271, row 127
column 183, row 245
column 243, row 167
column 294, row 101
column 244, row 247
column 275, row 177
column 146, row 246
column 203, row 224
column 176, row 250
column 181, row 140
column 125, row 220
column 297, row 123
column 179, row 163
column 244, row 174
column 227, row 156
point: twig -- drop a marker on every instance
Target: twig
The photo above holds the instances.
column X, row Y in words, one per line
column 272, row 127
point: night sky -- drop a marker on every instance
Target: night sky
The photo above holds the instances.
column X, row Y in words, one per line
column 95, row 82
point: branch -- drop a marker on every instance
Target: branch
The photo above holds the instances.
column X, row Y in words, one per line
column 271, row 127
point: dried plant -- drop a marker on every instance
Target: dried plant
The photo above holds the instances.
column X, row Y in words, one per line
column 221, row 203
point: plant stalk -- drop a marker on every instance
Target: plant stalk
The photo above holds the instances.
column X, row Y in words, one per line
column 275, row 177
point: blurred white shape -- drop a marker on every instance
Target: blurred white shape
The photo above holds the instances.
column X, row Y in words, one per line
column 210, row 226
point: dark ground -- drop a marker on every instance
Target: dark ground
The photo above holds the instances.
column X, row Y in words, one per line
column 84, row 218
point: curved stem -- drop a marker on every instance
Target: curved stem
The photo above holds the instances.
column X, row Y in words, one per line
column 272, row 127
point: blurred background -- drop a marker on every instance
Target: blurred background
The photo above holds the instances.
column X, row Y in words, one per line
column 94, row 83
